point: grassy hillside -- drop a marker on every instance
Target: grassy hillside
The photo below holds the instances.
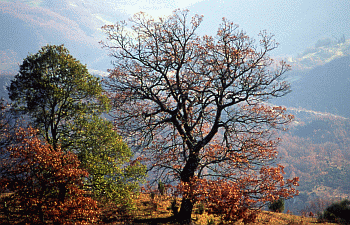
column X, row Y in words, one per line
column 157, row 210
column 151, row 210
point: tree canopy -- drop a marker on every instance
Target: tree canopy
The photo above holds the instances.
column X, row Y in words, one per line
column 195, row 109
column 107, row 158
column 54, row 88
column 66, row 103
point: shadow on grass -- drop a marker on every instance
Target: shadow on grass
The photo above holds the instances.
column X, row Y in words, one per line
column 156, row 221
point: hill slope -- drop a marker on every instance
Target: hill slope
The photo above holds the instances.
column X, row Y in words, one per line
column 316, row 149
column 150, row 209
column 320, row 80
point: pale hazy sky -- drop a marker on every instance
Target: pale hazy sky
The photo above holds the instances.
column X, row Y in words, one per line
column 153, row 7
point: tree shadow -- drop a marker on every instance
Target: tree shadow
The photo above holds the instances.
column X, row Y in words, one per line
column 156, row 221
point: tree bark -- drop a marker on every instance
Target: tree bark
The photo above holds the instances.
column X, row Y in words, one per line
column 184, row 216
column 190, row 167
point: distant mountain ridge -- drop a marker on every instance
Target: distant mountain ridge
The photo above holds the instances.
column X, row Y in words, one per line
column 320, row 76
column 29, row 24
column 26, row 26
column 5, row 81
column 325, row 88
column 295, row 24
column 324, row 51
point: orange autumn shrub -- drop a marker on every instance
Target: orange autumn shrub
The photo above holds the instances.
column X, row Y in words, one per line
column 42, row 185
column 240, row 199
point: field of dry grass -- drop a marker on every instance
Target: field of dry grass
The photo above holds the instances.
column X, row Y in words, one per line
column 159, row 207
column 157, row 210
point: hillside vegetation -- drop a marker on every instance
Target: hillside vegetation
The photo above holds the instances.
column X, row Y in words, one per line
column 316, row 149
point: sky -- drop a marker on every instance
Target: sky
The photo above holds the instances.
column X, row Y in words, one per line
column 156, row 7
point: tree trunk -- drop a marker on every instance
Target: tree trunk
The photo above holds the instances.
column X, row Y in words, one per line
column 184, row 216
column 190, row 167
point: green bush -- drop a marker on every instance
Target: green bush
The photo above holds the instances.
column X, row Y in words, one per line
column 277, row 206
column 161, row 187
column 338, row 212
column 200, row 208
column 210, row 221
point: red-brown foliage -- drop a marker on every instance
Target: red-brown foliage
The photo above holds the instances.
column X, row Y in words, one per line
column 45, row 185
column 233, row 200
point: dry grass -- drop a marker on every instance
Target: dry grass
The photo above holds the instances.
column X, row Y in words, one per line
column 159, row 207
column 282, row 218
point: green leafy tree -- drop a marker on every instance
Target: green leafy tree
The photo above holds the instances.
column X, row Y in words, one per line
column 66, row 104
column 54, row 89
column 161, row 187
column 338, row 212
column 104, row 154
column 277, row 205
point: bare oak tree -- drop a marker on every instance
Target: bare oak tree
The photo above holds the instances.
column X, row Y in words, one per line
column 194, row 106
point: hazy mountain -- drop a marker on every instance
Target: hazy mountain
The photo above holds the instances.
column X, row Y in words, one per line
column 325, row 88
column 321, row 80
column 316, row 149
column 5, row 81
column 27, row 25
column 320, row 76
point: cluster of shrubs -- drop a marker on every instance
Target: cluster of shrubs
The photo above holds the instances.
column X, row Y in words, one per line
column 277, row 206
column 338, row 212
